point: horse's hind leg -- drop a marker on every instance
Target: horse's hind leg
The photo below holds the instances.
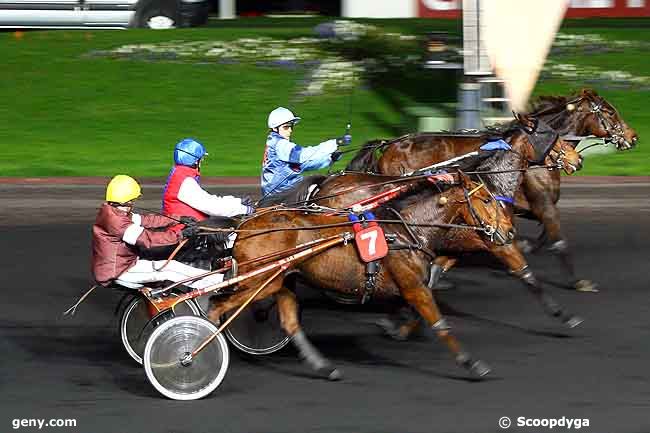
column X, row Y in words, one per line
column 515, row 261
column 288, row 309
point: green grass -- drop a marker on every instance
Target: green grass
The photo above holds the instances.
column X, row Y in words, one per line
column 69, row 114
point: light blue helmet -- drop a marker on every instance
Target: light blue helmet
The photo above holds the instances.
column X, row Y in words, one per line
column 188, row 152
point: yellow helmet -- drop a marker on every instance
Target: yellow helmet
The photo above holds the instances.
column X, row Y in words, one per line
column 122, row 189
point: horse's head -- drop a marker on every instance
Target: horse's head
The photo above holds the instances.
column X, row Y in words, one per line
column 564, row 155
column 486, row 211
column 594, row 115
column 544, row 145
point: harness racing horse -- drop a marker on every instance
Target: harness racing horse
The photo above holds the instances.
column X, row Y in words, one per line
column 402, row 272
column 412, row 152
column 583, row 114
column 347, row 189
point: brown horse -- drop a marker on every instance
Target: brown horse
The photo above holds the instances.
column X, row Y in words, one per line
column 537, row 195
column 582, row 114
column 340, row 191
column 402, row 272
column 422, row 150
column 585, row 113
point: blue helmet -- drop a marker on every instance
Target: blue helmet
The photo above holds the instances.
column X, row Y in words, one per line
column 188, row 152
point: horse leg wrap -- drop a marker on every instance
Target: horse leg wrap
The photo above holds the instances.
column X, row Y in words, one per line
column 477, row 367
column 441, row 325
column 435, row 271
column 559, row 247
column 313, row 357
column 526, row 276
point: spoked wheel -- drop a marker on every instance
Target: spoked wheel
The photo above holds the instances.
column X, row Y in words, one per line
column 166, row 364
column 138, row 322
column 257, row 330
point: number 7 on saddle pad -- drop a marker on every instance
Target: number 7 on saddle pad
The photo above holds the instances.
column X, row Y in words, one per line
column 370, row 240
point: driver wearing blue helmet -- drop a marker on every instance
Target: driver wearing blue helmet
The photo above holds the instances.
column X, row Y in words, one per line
column 183, row 194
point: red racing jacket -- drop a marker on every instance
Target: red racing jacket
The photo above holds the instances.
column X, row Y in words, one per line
column 116, row 233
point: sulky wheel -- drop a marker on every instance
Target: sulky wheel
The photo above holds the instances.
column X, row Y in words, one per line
column 138, row 322
column 167, row 366
column 257, row 330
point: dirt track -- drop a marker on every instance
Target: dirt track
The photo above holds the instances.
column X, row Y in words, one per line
column 75, row 368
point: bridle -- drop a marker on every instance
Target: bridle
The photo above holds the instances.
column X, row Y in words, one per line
column 615, row 131
column 492, row 232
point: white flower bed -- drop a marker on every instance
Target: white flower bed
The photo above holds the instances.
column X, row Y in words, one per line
column 582, row 44
column 328, row 71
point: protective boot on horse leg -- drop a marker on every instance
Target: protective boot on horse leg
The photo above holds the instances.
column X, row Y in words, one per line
column 418, row 296
column 403, row 323
column 518, row 267
column 288, row 308
column 549, row 215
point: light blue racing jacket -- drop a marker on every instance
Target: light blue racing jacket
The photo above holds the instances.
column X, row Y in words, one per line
column 284, row 161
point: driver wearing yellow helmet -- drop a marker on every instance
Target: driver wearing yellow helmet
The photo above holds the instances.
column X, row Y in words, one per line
column 118, row 232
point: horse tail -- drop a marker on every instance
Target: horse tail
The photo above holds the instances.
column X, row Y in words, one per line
column 366, row 158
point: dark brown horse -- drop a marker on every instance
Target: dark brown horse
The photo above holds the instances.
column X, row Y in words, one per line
column 341, row 191
column 582, row 114
column 536, row 198
column 585, row 113
column 422, row 150
column 402, row 272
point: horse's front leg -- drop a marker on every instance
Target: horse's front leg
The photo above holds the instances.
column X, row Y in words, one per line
column 288, row 309
column 542, row 198
column 418, row 295
column 404, row 322
column 514, row 260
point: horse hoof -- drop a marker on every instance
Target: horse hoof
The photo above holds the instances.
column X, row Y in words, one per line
column 585, row 286
column 573, row 322
column 335, row 375
column 390, row 329
column 330, row 373
column 479, row 369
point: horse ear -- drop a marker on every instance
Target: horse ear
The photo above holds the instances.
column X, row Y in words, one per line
column 464, row 179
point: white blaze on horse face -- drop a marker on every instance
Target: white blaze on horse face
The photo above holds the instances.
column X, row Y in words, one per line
column 372, row 245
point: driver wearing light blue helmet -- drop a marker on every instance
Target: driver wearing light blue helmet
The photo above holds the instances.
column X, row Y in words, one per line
column 284, row 161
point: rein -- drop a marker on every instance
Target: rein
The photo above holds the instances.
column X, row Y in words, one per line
column 341, row 224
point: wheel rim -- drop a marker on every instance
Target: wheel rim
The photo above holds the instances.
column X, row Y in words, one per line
column 136, row 325
column 160, row 22
column 255, row 333
column 170, row 343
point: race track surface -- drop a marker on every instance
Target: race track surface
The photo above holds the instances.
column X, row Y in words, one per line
column 75, row 368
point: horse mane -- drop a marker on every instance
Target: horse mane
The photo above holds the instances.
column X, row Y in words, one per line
column 555, row 104
column 422, row 191
column 298, row 193
column 366, row 158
